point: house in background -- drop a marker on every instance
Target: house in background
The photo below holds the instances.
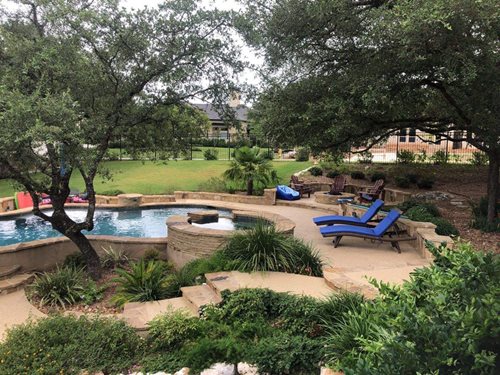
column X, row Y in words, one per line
column 218, row 129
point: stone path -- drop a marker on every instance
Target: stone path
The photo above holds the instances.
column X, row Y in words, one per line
column 15, row 309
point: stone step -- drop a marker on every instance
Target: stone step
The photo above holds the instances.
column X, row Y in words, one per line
column 15, row 282
column 6, row 271
column 220, row 281
column 200, row 295
column 138, row 314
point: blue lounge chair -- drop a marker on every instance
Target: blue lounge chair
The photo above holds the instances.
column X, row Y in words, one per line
column 380, row 232
column 351, row 220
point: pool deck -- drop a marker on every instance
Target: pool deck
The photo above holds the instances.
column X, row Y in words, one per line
column 349, row 265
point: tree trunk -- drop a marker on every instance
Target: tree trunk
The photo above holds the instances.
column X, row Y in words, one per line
column 235, row 369
column 89, row 253
column 250, row 186
column 493, row 185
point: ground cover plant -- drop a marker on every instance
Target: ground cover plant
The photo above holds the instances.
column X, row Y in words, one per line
column 418, row 210
column 445, row 319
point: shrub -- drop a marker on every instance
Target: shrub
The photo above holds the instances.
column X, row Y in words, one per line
column 114, row 258
column 62, row 287
column 211, row 154
column 405, row 157
column 146, row 281
column 421, row 157
column 112, row 192
column 66, row 344
column 316, row 171
column 357, row 175
column 479, row 158
column 365, row 157
column 444, row 227
column 445, row 319
column 378, row 176
column 480, row 213
column 262, row 248
column 193, row 272
column 331, row 161
column 430, row 207
column 269, row 154
column 151, row 254
column 412, row 177
column 422, row 213
column 333, row 174
column 402, row 181
column 439, row 157
column 302, row 154
column 75, row 260
column 419, row 213
column 425, row 183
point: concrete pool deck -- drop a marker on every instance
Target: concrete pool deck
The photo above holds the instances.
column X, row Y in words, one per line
column 347, row 267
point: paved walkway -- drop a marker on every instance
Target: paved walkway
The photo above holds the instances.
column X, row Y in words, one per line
column 15, row 309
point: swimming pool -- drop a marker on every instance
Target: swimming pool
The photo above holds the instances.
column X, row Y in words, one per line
column 137, row 222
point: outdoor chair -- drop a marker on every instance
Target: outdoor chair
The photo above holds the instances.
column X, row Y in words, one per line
column 372, row 193
column 338, row 185
column 379, row 233
column 351, row 220
column 300, row 186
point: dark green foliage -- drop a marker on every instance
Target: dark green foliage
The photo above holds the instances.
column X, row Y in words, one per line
column 439, row 158
column 211, row 154
column 151, row 254
column 333, row 174
column 444, row 320
column 64, row 286
column 419, row 213
column 262, row 248
column 316, row 171
column 430, row 207
column 402, row 181
column 193, row 272
column 480, row 212
column 479, row 158
column 145, row 281
column 75, row 260
column 427, row 212
column 425, row 183
column 357, row 175
column 378, row 176
column 302, row 154
column 405, row 157
column 112, row 192
column 444, row 227
column 365, row 157
column 412, row 177
column 65, row 344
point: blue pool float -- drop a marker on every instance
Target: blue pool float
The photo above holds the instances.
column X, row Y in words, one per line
column 286, row 193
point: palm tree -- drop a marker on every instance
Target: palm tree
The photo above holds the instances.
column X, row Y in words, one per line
column 251, row 166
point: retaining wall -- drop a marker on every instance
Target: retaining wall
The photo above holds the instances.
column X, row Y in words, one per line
column 269, row 197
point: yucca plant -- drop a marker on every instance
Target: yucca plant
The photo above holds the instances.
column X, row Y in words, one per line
column 145, row 281
column 263, row 248
column 64, row 286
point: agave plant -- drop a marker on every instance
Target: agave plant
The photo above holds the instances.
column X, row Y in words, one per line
column 64, row 286
column 145, row 281
column 250, row 166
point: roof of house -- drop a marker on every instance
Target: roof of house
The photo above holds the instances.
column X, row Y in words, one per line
column 241, row 112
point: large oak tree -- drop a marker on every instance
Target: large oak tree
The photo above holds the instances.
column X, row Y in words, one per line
column 343, row 73
column 74, row 72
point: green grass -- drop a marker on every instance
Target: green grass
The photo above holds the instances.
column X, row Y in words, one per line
column 222, row 152
column 159, row 178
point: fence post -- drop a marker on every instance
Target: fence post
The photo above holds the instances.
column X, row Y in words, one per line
column 397, row 145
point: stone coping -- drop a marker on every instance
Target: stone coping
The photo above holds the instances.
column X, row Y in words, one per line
column 325, row 198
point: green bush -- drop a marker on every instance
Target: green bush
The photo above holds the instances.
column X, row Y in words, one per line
column 316, row 171
column 378, row 176
column 430, row 207
column 426, row 212
column 211, row 154
column 402, row 181
column 419, row 213
column 302, row 154
column 193, row 272
column 444, row 227
column 66, row 344
column 75, row 260
column 151, row 254
column 439, row 158
column 412, row 177
column 333, row 174
column 357, row 175
column 480, row 214
column 444, row 320
column 113, row 192
column 425, row 183
column 61, row 287
column 479, row 158
column 262, row 248
column 405, row 157
column 365, row 157
column 145, row 281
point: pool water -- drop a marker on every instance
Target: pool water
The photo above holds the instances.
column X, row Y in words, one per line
column 147, row 222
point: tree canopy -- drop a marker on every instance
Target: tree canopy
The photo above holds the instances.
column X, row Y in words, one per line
column 343, row 73
column 74, row 72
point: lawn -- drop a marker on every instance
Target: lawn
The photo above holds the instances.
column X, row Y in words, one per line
column 159, row 178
